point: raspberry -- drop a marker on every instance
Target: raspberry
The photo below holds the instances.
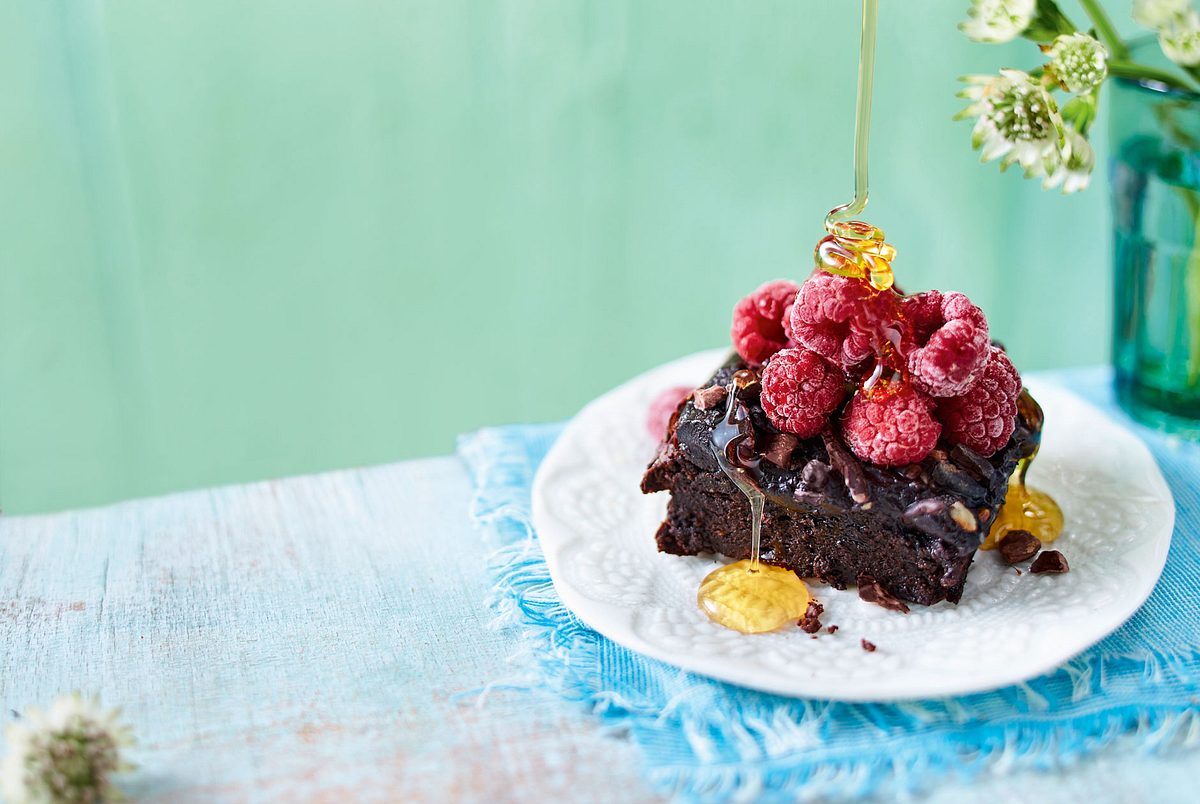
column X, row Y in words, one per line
column 948, row 342
column 840, row 318
column 985, row 416
column 662, row 408
column 799, row 391
column 890, row 425
column 758, row 321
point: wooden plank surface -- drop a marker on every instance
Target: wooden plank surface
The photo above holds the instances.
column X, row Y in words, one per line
column 311, row 639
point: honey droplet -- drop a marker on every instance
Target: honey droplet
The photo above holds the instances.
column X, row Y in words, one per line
column 753, row 601
column 1028, row 509
column 744, row 379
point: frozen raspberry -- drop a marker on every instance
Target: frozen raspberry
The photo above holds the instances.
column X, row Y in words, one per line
column 840, row 318
column 799, row 391
column 662, row 408
column 985, row 416
column 890, row 425
column 758, row 321
column 948, row 342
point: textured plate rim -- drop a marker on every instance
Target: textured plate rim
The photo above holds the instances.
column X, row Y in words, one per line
column 614, row 621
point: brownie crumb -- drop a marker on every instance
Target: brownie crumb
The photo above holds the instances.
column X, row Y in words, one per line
column 814, row 636
column 711, row 397
column 870, row 591
column 811, row 623
column 1018, row 545
column 1050, row 562
column 869, row 647
column 832, row 629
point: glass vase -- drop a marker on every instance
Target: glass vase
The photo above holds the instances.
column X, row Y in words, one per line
column 1155, row 136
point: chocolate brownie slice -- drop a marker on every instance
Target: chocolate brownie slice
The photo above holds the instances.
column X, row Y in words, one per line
column 913, row 530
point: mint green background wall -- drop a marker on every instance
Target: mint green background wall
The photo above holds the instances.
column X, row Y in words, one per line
column 241, row 240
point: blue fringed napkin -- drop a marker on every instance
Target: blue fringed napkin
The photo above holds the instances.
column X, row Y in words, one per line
column 704, row 739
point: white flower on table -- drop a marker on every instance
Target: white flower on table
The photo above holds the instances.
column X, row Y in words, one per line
column 1158, row 14
column 1072, row 167
column 1079, row 62
column 66, row 754
column 1017, row 120
column 998, row 20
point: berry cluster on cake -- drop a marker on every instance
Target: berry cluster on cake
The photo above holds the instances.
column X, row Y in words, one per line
column 883, row 430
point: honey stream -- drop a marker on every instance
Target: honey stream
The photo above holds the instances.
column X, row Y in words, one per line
column 748, row 595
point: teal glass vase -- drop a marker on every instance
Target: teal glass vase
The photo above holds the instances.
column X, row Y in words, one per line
column 1155, row 170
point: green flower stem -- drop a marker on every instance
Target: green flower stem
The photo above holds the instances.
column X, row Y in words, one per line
column 1104, row 27
column 1132, row 70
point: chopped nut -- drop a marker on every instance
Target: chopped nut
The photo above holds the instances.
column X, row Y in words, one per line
column 844, row 462
column 778, row 448
column 1018, row 545
column 815, row 475
column 1050, row 562
column 973, row 462
column 962, row 515
column 949, row 476
column 926, row 507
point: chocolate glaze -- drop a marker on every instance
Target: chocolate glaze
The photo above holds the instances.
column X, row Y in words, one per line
column 914, row 529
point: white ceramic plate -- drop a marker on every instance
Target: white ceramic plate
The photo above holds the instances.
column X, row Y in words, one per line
column 597, row 531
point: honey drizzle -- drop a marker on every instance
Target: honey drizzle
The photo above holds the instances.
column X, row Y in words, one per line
column 1027, row 508
column 752, row 597
column 852, row 247
column 748, row 596
column 840, row 220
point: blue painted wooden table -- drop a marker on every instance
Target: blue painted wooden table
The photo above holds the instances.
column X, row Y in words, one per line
column 317, row 638
column 327, row 638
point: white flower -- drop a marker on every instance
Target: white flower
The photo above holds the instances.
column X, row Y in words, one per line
column 1017, row 119
column 1158, row 14
column 1180, row 39
column 1072, row 166
column 998, row 20
column 1079, row 62
column 67, row 754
